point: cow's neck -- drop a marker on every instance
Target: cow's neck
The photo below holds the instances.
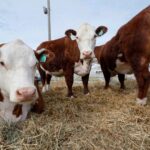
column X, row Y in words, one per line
column 83, row 67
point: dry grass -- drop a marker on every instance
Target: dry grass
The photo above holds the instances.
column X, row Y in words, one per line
column 104, row 120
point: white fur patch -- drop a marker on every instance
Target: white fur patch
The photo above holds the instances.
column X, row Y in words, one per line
column 82, row 69
column 47, row 87
column 86, row 40
column 72, row 97
column 141, row 101
column 123, row 67
column 40, row 51
column 44, row 89
column 56, row 73
column 87, row 94
column 120, row 55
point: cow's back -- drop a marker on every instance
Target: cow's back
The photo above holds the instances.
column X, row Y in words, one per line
column 135, row 35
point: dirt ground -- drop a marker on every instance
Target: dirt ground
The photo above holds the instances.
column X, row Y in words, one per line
column 104, row 120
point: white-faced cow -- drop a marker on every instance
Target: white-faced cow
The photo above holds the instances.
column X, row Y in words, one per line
column 72, row 54
column 129, row 52
column 18, row 92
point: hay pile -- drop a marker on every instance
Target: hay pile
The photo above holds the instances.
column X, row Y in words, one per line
column 103, row 120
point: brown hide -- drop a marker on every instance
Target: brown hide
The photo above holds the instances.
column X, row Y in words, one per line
column 63, row 48
column 17, row 110
column 38, row 107
column 66, row 54
column 133, row 42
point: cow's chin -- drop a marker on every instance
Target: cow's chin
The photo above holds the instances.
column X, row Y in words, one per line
column 87, row 57
column 25, row 100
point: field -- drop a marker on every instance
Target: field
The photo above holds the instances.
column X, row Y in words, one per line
column 104, row 120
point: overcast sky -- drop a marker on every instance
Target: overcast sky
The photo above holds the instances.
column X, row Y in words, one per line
column 24, row 19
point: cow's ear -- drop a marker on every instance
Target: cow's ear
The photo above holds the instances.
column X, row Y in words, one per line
column 101, row 30
column 71, row 34
column 44, row 55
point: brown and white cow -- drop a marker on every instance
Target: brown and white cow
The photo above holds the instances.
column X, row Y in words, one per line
column 106, row 59
column 18, row 92
column 127, row 52
column 73, row 54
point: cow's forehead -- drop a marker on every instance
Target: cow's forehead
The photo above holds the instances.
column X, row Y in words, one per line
column 17, row 51
column 86, row 31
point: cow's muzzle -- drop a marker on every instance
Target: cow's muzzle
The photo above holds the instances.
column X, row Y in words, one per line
column 87, row 54
column 25, row 94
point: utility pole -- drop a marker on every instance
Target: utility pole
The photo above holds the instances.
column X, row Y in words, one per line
column 47, row 12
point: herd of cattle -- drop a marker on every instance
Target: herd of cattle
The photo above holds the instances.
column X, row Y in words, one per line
column 127, row 52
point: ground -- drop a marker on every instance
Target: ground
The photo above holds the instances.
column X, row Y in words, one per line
column 104, row 120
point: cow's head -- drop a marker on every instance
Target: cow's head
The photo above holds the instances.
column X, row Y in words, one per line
column 86, row 39
column 17, row 70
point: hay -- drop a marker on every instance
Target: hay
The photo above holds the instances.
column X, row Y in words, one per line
column 103, row 120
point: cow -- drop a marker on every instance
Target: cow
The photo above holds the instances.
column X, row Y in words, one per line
column 104, row 58
column 129, row 52
column 19, row 91
column 72, row 54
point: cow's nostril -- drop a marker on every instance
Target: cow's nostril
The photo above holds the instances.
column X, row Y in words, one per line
column 87, row 53
column 26, row 92
column 18, row 93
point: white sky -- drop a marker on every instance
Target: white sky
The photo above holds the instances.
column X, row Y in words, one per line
column 24, row 19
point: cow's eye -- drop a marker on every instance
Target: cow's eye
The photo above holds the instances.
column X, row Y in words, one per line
column 95, row 36
column 79, row 39
column 2, row 63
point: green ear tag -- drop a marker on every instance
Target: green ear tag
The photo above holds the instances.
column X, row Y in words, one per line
column 72, row 37
column 101, row 33
column 43, row 58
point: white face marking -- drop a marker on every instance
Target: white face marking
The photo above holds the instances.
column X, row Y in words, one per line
column 19, row 68
column 123, row 67
column 82, row 69
column 86, row 40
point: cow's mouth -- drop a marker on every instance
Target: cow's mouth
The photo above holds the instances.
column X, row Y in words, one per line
column 87, row 59
column 25, row 100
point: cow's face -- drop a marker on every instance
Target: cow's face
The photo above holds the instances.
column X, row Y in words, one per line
column 86, row 39
column 17, row 70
